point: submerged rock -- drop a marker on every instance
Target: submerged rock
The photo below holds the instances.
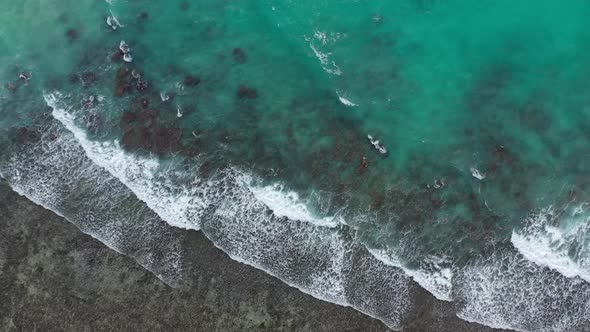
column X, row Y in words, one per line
column 88, row 102
column 123, row 81
column 206, row 169
column 239, row 55
column 27, row 135
column 245, row 92
column 117, row 56
column 155, row 138
column 25, row 77
column 139, row 115
column 74, row 78
column 88, row 78
column 363, row 166
column 72, row 34
column 123, row 73
column 93, row 122
column 141, row 85
column 377, row 199
column 128, row 117
column 121, row 89
column 190, row 80
column 11, row 87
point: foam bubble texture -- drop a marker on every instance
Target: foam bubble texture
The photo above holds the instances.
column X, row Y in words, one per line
column 323, row 262
column 180, row 206
column 318, row 260
column 558, row 241
column 508, row 291
column 56, row 174
column 503, row 291
column 434, row 274
column 286, row 203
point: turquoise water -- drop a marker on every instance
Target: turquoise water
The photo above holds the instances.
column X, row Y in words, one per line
column 249, row 121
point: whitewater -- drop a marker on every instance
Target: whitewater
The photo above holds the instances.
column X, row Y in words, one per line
column 401, row 158
column 311, row 252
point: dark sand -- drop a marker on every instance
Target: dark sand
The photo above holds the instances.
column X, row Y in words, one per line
column 55, row 278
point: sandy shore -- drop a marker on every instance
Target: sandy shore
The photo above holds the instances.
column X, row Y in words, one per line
column 54, row 277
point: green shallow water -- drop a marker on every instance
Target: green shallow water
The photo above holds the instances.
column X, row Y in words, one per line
column 448, row 87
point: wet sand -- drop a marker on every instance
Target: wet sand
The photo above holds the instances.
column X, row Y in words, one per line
column 54, row 277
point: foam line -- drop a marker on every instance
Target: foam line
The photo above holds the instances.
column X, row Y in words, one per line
column 562, row 247
column 318, row 260
column 55, row 173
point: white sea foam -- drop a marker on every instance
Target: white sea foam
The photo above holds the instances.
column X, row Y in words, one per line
column 321, row 36
column 328, row 65
column 562, row 247
column 113, row 22
column 476, row 174
column 286, row 203
column 316, row 259
column 325, row 40
column 434, row 274
column 346, row 101
column 507, row 291
column 179, row 206
column 124, row 47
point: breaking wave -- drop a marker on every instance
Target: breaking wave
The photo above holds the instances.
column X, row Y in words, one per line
column 55, row 173
column 434, row 274
column 557, row 240
column 325, row 262
column 93, row 184
column 510, row 292
column 286, row 203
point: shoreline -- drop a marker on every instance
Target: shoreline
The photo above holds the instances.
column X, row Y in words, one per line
column 54, row 277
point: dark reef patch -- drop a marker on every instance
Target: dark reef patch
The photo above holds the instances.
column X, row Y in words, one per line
column 245, row 92
column 72, row 34
column 25, row 135
column 239, row 55
column 117, row 55
column 74, row 78
column 191, row 81
column 156, row 138
column 88, row 78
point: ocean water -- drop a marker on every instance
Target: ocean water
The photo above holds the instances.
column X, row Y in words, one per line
column 249, row 122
